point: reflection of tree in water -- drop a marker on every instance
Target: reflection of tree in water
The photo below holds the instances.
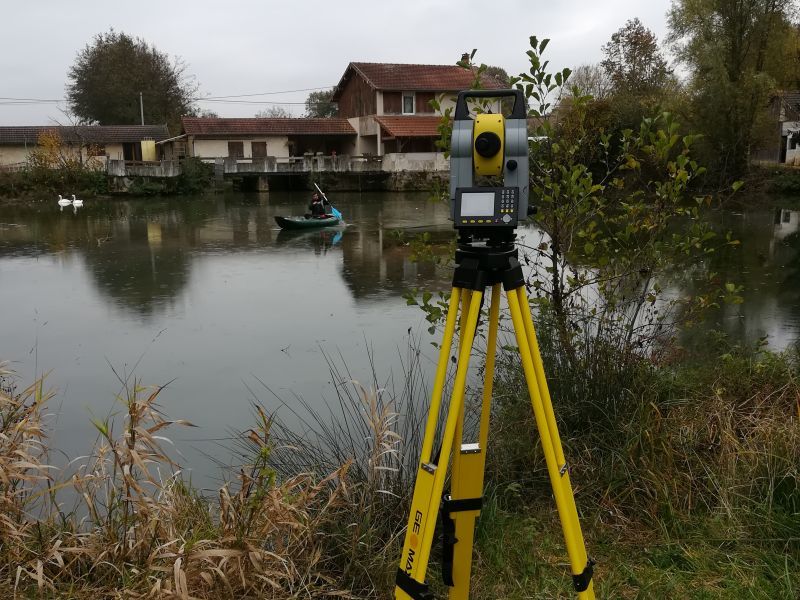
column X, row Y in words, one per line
column 143, row 266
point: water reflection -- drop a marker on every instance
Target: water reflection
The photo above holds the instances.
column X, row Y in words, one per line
column 210, row 293
column 767, row 264
column 141, row 254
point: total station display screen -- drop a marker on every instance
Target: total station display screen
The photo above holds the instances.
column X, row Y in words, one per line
column 477, row 204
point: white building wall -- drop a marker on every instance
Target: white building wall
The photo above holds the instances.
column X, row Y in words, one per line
column 114, row 151
column 11, row 155
column 276, row 146
column 449, row 101
column 790, row 128
column 209, row 148
column 379, row 103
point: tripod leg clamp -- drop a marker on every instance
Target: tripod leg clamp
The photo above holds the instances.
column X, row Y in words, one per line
column 581, row 582
column 412, row 587
column 449, row 539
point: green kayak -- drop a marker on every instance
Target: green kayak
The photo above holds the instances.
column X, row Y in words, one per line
column 303, row 223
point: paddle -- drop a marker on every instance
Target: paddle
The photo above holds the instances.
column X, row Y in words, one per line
column 334, row 212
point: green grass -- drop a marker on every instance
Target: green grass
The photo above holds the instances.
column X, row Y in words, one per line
column 521, row 555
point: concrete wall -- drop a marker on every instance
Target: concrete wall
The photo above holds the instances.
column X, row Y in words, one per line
column 165, row 168
column 364, row 125
column 415, row 161
column 276, row 146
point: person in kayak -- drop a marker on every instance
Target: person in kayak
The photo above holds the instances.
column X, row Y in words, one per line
column 317, row 206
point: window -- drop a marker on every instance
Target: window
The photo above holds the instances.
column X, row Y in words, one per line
column 259, row 149
column 236, row 149
column 408, row 103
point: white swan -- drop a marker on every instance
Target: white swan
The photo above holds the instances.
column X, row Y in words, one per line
column 76, row 201
column 62, row 202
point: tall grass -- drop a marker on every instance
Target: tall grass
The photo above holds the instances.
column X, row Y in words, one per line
column 375, row 430
column 136, row 529
column 660, row 455
column 664, row 446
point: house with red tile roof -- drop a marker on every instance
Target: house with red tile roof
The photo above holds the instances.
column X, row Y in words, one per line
column 259, row 138
column 96, row 142
column 384, row 111
column 389, row 105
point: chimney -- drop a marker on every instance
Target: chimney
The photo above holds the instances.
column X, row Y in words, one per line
column 465, row 57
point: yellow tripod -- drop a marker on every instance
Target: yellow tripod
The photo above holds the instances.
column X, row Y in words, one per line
column 478, row 268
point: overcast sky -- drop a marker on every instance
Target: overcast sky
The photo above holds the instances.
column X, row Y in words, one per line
column 252, row 47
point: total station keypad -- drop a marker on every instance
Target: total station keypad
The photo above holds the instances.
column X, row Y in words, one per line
column 508, row 198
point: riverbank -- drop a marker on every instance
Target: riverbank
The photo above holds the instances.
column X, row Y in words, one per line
column 688, row 486
column 194, row 177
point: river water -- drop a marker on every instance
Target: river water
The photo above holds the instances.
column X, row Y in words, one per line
column 208, row 294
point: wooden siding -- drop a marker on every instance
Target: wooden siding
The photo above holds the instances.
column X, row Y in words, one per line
column 392, row 103
column 357, row 98
column 423, row 103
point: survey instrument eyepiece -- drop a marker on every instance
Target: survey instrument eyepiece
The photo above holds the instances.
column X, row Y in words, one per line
column 489, row 146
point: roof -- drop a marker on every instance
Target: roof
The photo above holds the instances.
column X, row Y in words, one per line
column 790, row 102
column 216, row 127
column 96, row 134
column 410, row 126
column 414, row 78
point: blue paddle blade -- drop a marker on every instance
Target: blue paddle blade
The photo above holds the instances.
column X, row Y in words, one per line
column 336, row 213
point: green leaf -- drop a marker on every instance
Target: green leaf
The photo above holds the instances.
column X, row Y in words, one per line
column 736, row 185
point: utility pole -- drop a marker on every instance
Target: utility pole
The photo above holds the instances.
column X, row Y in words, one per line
column 141, row 106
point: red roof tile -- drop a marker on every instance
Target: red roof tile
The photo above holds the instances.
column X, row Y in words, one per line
column 414, row 78
column 84, row 134
column 214, row 127
column 410, row 126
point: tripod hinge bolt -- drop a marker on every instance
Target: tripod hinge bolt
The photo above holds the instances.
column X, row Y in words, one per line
column 581, row 581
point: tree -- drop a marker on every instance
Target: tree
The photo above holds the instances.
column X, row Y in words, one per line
column 633, row 60
column 592, row 80
column 274, row 112
column 319, row 105
column 109, row 74
column 206, row 113
column 730, row 47
column 498, row 74
column 609, row 241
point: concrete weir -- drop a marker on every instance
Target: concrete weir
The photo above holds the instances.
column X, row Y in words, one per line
column 368, row 172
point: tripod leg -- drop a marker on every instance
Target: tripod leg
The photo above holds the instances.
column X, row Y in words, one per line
column 410, row 583
column 581, row 567
column 547, row 404
column 469, row 462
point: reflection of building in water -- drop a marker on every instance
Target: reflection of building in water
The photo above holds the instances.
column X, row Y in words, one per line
column 786, row 222
column 766, row 265
column 376, row 265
